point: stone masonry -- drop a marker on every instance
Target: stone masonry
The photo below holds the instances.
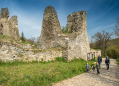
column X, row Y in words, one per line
column 8, row 26
column 77, row 21
column 12, row 52
column 50, row 28
column 75, row 44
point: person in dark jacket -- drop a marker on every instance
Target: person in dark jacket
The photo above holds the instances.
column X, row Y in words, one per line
column 87, row 67
column 99, row 60
column 107, row 62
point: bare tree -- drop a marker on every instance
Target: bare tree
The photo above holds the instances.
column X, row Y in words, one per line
column 102, row 38
column 33, row 39
column 37, row 40
column 116, row 30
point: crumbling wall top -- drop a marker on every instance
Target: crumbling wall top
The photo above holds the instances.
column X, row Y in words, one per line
column 14, row 18
column 4, row 13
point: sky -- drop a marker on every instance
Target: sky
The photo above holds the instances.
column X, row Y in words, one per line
column 101, row 14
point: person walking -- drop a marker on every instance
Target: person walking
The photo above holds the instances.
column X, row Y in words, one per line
column 107, row 62
column 97, row 67
column 99, row 60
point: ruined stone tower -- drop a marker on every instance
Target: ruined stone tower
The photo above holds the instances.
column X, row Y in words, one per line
column 75, row 44
column 77, row 21
column 50, row 28
column 8, row 26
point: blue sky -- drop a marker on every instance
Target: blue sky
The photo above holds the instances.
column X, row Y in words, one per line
column 101, row 14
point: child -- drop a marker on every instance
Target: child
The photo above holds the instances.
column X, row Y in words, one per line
column 87, row 67
column 97, row 66
column 93, row 67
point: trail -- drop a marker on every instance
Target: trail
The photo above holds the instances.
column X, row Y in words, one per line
column 105, row 78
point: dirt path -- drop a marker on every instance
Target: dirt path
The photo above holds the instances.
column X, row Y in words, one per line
column 105, row 78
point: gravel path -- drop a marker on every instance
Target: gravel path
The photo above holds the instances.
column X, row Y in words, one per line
column 105, row 78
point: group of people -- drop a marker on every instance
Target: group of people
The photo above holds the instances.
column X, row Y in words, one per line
column 98, row 64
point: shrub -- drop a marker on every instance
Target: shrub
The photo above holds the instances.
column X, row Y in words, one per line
column 66, row 30
column 61, row 59
column 112, row 51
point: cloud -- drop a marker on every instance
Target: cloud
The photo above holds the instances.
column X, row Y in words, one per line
column 100, row 28
column 28, row 24
column 93, row 30
column 107, row 26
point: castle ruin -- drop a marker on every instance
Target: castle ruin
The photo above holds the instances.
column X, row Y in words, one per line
column 76, row 43
column 8, row 26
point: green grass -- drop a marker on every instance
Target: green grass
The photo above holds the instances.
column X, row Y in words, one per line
column 40, row 73
column 117, row 61
column 4, row 36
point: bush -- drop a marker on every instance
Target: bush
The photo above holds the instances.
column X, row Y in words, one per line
column 112, row 51
column 117, row 61
column 61, row 59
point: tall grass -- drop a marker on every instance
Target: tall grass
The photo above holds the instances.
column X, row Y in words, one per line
column 40, row 73
column 117, row 61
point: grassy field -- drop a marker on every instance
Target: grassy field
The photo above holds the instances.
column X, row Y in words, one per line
column 117, row 61
column 40, row 73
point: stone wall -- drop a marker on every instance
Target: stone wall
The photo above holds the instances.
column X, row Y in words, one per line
column 11, row 52
column 8, row 26
column 95, row 52
column 78, row 47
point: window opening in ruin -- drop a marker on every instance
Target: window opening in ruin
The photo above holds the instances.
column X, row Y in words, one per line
column 1, row 25
column 1, row 33
column 81, row 13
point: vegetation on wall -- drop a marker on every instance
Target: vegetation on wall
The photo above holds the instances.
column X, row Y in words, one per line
column 66, row 30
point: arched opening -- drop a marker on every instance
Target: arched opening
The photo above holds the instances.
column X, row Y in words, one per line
column 1, row 25
column 1, row 33
column 81, row 13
